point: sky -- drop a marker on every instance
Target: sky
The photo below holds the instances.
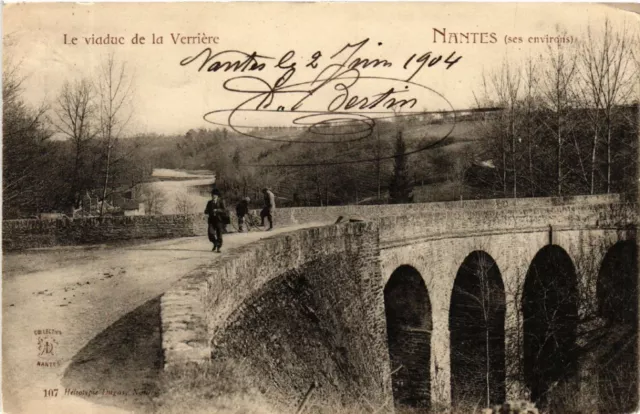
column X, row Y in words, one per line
column 170, row 98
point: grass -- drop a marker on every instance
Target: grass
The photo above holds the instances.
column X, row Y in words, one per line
column 227, row 387
column 223, row 387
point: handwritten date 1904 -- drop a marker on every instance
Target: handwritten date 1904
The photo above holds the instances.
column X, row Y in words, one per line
column 348, row 57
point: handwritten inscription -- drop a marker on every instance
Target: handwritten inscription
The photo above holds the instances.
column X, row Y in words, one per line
column 348, row 88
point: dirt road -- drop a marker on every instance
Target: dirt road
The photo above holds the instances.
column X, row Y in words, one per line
column 54, row 301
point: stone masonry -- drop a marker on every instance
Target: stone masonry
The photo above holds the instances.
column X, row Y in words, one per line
column 209, row 303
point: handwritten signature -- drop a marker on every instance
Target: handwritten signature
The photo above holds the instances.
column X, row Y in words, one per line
column 340, row 94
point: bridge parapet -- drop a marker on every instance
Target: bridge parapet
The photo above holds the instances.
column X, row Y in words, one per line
column 314, row 214
column 24, row 234
column 406, row 228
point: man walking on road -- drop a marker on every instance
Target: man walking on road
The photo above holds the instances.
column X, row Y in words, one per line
column 269, row 207
column 216, row 211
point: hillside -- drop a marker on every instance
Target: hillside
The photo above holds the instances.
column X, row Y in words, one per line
column 351, row 172
column 351, row 166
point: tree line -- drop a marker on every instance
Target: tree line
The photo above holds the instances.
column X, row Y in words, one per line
column 57, row 154
column 569, row 121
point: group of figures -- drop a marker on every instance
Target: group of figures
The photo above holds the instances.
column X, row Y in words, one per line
column 218, row 216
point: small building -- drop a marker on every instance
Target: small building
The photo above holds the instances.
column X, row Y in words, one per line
column 128, row 207
column 119, row 201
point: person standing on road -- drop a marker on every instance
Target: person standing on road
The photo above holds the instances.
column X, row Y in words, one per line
column 269, row 207
column 216, row 211
column 242, row 209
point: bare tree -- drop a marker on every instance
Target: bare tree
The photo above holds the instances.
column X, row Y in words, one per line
column 184, row 204
column 154, row 199
column 530, row 127
column 478, row 304
column 506, row 85
column 74, row 117
column 503, row 88
column 557, row 83
column 114, row 87
column 607, row 73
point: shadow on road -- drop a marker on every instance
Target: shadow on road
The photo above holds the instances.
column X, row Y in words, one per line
column 121, row 365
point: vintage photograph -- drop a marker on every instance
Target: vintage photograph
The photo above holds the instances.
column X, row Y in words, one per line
column 320, row 208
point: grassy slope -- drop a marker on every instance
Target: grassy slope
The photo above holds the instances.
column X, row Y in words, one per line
column 463, row 139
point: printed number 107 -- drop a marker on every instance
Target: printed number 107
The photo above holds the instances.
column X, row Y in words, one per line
column 51, row 392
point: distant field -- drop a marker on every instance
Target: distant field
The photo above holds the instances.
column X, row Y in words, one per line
column 462, row 131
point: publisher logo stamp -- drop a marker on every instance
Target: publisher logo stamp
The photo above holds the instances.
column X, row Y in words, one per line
column 47, row 347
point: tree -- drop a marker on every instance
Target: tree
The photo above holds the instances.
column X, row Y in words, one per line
column 476, row 323
column 154, row 199
column 401, row 187
column 378, row 154
column 608, row 77
column 506, row 88
column 557, row 82
column 28, row 172
column 184, row 204
column 74, row 118
column 459, row 169
column 114, row 87
column 506, row 84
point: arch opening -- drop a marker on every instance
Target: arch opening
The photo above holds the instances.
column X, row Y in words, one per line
column 476, row 324
column 408, row 315
column 617, row 293
column 550, row 313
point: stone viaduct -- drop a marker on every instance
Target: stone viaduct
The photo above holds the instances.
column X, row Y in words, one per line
column 397, row 306
column 426, row 305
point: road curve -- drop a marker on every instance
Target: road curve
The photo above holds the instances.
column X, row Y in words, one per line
column 76, row 293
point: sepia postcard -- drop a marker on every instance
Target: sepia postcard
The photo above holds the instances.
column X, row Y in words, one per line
column 320, row 208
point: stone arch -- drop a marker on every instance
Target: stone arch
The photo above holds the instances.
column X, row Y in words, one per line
column 476, row 324
column 408, row 313
column 616, row 350
column 550, row 319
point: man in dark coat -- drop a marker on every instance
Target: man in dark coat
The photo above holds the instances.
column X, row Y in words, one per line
column 216, row 211
column 242, row 209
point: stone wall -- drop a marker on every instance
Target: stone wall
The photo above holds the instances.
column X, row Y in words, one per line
column 297, row 215
column 406, row 229
column 410, row 355
column 23, row 234
column 437, row 249
column 299, row 308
